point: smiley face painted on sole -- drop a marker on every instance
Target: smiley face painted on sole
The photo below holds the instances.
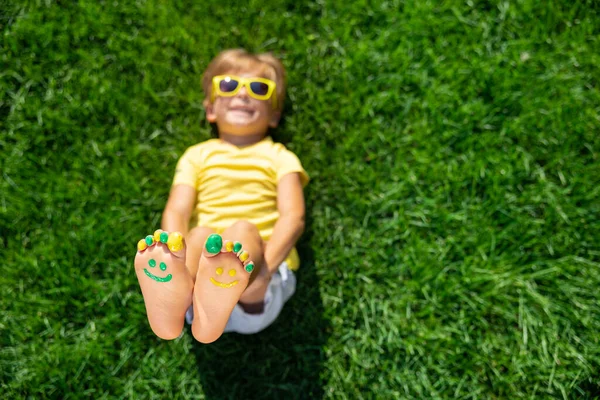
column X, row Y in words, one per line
column 162, row 266
column 219, row 271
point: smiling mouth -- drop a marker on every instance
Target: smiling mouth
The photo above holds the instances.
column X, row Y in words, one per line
column 158, row 278
column 243, row 110
column 223, row 285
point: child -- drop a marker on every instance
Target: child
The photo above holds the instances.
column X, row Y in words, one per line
column 243, row 193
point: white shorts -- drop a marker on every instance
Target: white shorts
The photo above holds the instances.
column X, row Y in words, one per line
column 281, row 288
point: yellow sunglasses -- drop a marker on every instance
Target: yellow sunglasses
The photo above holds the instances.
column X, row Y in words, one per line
column 258, row 88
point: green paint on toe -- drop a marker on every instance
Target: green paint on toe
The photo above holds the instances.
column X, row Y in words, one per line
column 214, row 243
column 250, row 267
column 237, row 247
column 149, row 240
column 164, row 236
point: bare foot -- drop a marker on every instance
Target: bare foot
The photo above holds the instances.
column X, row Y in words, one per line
column 165, row 282
column 223, row 274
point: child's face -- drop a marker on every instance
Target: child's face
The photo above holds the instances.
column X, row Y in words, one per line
column 242, row 115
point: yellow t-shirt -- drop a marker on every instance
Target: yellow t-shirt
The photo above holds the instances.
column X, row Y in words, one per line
column 235, row 184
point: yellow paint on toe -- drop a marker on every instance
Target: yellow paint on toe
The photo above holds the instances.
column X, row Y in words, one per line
column 229, row 246
column 175, row 242
column 219, row 271
column 223, row 285
column 141, row 246
column 243, row 256
column 156, row 235
column 232, row 272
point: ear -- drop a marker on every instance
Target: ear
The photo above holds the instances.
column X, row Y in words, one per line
column 210, row 111
column 275, row 117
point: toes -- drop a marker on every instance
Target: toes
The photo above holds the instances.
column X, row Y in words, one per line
column 141, row 246
column 237, row 246
column 162, row 236
column 249, row 267
column 242, row 255
column 148, row 241
column 213, row 245
column 174, row 241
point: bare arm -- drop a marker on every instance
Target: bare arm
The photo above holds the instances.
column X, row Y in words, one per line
column 290, row 225
column 179, row 209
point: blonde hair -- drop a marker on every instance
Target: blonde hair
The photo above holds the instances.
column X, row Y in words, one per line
column 239, row 60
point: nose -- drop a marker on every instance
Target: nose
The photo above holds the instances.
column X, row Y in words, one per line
column 243, row 92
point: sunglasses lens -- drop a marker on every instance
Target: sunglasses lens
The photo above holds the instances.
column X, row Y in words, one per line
column 228, row 85
column 259, row 88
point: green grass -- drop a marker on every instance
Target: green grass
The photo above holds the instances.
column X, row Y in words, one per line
column 452, row 246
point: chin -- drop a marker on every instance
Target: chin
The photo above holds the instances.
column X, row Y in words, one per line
column 244, row 129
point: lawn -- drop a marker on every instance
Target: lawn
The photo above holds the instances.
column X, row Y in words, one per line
column 452, row 247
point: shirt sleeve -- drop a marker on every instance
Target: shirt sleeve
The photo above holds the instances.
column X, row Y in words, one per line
column 287, row 163
column 186, row 172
